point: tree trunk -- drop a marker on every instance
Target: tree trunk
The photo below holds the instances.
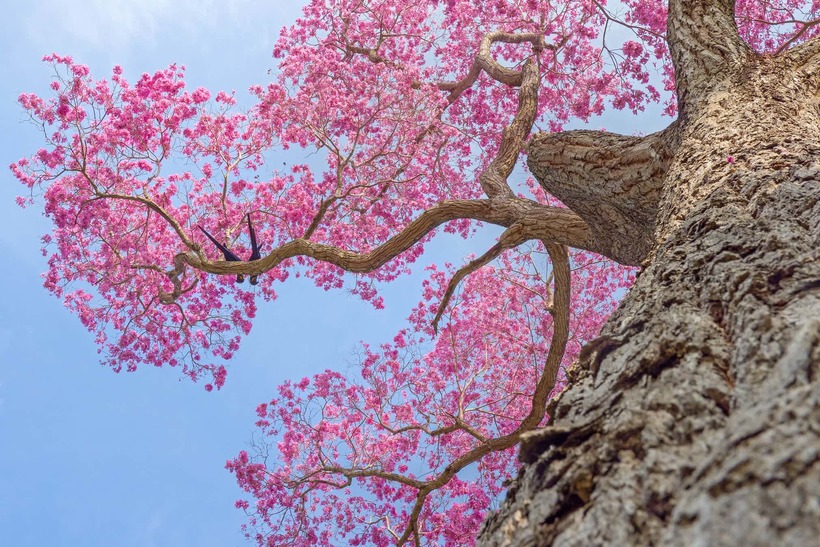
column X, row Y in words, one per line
column 694, row 419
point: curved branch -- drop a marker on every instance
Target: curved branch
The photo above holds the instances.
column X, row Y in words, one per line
column 512, row 237
column 352, row 473
column 175, row 275
column 496, row 71
column 560, row 312
column 611, row 181
column 483, row 61
column 494, row 178
column 537, row 222
column 152, row 205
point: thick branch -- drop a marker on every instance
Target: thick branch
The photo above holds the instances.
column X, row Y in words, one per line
column 175, row 275
column 494, row 178
column 560, row 312
column 537, row 222
column 706, row 49
column 485, row 62
column 611, row 181
column 559, row 256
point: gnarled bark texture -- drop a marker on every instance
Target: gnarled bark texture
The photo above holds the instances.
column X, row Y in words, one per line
column 694, row 419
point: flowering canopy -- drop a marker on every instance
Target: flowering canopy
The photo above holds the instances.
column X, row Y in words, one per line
column 414, row 115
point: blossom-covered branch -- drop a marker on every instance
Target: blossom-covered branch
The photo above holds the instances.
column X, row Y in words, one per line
column 409, row 118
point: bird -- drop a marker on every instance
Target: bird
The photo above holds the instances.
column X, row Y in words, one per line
column 255, row 254
column 227, row 253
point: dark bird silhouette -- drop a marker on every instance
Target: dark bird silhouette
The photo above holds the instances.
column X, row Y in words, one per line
column 255, row 254
column 226, row 252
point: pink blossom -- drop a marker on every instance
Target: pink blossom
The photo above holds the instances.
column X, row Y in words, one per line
column 129, row 169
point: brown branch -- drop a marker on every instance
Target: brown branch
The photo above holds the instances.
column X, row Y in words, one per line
column 485, row 62
column 560, row 312
column 494, row 178
column 512, row 237
column 373, row 55
column 175, row 275
column 537, row 222
column 611, row 181
column 459, row 425
column 352, row 473
column 560, row 315
column 150, row 204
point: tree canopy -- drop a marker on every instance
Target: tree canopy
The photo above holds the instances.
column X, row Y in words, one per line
column 412, row 118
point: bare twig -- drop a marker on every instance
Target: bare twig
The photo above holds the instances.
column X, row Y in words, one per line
column 560, row 313
column 512, row 237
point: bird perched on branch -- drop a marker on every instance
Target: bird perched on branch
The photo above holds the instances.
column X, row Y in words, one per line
column 255, row 254
column 230, row 256
column 226, row 252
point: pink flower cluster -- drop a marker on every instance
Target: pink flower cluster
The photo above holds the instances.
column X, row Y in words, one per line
column 129, row 170
column 353, row 452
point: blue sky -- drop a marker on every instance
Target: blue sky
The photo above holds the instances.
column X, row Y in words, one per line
column 89, row 457
column 93, row 458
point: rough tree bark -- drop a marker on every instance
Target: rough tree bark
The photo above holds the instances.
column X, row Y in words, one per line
column 694, row 419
